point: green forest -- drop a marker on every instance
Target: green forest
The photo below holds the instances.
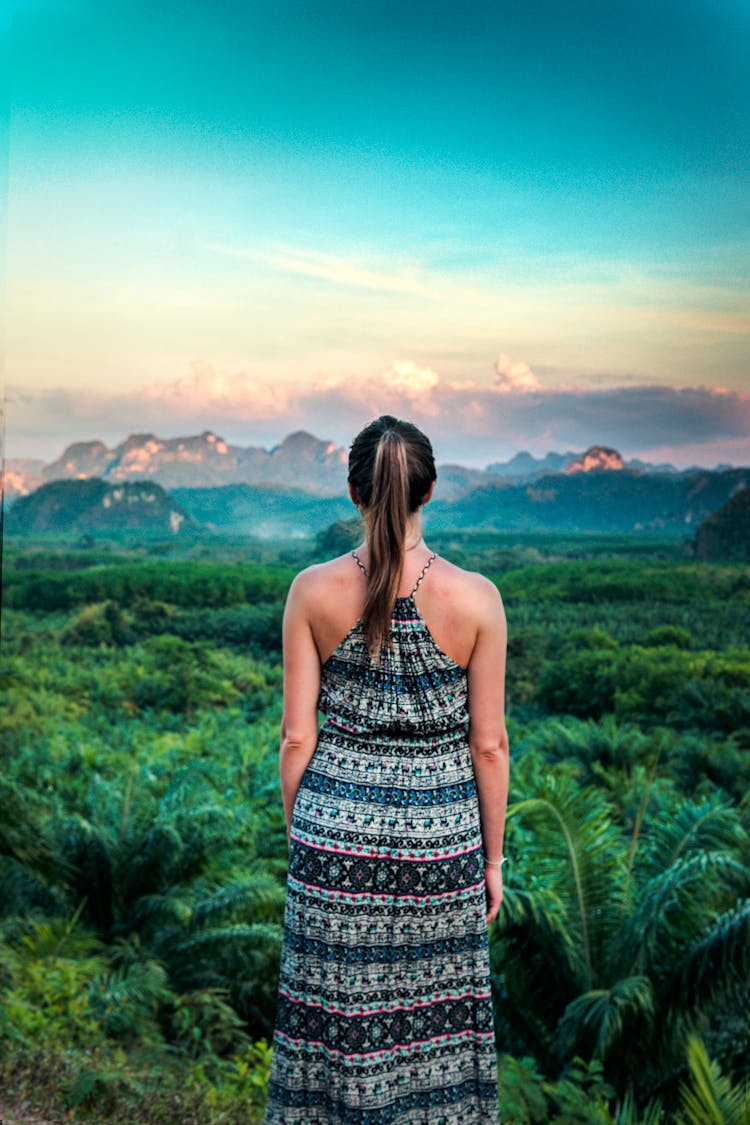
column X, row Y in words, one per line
column 143, row 848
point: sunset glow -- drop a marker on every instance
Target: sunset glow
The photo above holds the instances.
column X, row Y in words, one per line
column 523, row 228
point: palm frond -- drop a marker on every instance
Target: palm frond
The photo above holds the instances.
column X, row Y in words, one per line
column 648, row 788
column 597, row 1021
column 58, row 937
column 149, row 860
column 539, row 913
column 674, row 907
column 226, row 956
column 21, row 833
column 626, row 1112
column 250, row 939
column 127, row 998
column 172, row 908
column 578, row 853
column 680, row 827
column 261, row 893
column 20, row 890
column 713, row 972
column 709, row 1098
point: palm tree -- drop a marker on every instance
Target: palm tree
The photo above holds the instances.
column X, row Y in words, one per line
column 611, row 943
column 181, row 878
column 178, row 853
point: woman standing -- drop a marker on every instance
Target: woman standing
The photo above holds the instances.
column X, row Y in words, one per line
column 395, row 813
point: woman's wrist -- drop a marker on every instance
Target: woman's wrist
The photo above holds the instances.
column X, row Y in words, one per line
column 494, row 862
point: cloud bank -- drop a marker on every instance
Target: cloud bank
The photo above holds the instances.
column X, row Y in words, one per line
column 468, row 421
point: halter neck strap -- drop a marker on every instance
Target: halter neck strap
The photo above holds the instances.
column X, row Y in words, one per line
column 425, row 568
column 358, row 561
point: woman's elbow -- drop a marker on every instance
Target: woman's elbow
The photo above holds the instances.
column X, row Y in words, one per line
column 298, row 740
column 490, row 747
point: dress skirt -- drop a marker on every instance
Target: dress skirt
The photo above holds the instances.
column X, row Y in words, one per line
column 384, row 1012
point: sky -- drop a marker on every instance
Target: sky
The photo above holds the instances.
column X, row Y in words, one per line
column 521, row 226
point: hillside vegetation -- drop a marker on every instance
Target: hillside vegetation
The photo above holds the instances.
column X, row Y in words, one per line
column 143, row 848
column 724, row 535
column 600, row 500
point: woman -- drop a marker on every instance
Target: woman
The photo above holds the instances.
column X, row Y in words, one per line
column 395, row 814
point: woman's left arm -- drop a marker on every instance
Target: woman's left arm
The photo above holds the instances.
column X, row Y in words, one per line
column 299, row 723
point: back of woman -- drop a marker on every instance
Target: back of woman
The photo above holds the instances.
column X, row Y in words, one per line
column 395, row 810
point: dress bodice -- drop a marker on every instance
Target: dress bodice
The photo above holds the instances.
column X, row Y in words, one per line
column 414, row 690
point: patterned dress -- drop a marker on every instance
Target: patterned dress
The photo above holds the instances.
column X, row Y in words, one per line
column 384, row 1012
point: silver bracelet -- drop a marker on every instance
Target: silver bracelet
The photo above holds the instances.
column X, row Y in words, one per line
column 494, row 862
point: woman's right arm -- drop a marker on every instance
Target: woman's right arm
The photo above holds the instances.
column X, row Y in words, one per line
column 299, row 722
column 488, row 738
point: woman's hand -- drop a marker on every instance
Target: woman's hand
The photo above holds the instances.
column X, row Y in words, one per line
column 494, row 886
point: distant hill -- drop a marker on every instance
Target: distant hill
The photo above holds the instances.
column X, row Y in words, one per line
column 21, row 476
column 271, row 512
column 197, row 461
column 95, row 505
column 301, row 460
column 524, row 464
column 595, row 457
column 724, row 535
column 454, row 480
column 624, row 501
column 599, row 458
column 298, row 488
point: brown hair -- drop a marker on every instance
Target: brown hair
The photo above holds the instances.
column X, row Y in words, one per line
column 391, row 467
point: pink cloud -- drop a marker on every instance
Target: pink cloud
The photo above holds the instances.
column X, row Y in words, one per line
column 467, row 421
column 513, row 376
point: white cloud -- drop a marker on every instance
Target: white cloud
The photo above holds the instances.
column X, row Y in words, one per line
column 329, row 267
column 207, row 388
column 409, row 379
column 466, row 420
column 513, row 376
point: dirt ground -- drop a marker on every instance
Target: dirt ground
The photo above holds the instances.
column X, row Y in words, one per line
column 22, row 1115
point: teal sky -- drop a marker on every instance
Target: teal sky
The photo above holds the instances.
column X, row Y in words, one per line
column 524, row 226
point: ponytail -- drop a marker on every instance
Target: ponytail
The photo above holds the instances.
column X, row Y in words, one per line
column 391, row 466
column 385, row 521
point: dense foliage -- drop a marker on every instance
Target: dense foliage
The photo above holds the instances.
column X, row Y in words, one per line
column 725, row 532
column 143, row 851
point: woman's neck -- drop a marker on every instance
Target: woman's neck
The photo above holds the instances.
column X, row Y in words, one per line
column 413, row 537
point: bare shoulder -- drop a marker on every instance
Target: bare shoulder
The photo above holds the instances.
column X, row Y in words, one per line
column 476, row 593
column 318, row 583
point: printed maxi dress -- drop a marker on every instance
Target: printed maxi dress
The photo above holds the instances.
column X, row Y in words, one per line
column 384, row 1009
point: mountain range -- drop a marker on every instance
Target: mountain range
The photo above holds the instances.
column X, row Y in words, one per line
column 300, row 460
column 198, row 484
column 194, row 460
